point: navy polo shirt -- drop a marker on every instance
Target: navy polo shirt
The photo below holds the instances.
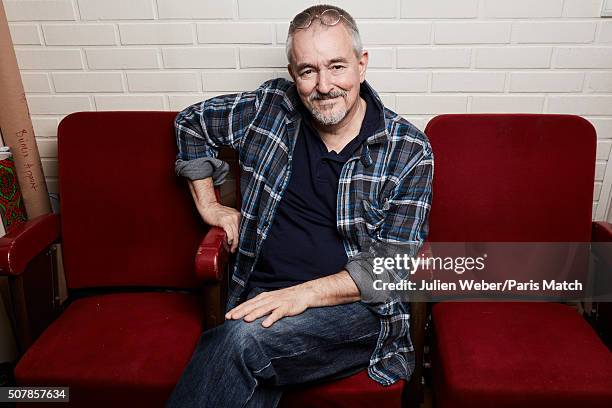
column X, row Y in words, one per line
column 303, row 243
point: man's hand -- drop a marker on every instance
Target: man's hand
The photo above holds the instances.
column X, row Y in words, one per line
column 225, row 217
column 213, row 213
column 330, row 290
column 278, row 303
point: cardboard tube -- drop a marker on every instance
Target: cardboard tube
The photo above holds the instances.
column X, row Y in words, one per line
column 16, row 127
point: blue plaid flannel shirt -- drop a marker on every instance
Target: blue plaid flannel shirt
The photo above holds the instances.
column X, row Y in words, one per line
column 384, row 196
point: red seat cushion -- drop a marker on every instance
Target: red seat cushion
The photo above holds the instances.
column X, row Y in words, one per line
column 518, row 355
column 116, row 349
column 354, row 391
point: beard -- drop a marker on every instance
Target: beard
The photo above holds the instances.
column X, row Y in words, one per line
column 328, row 117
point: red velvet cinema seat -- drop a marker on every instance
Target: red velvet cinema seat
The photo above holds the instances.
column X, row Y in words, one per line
column 515, row 178
column 129, row 233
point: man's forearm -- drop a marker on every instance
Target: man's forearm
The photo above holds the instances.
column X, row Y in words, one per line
column 332, row 290
column 203, row 192
column 213, row 212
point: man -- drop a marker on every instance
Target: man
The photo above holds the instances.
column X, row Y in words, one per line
column 330, row 180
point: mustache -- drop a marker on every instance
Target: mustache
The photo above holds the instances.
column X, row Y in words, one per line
column 315, row 95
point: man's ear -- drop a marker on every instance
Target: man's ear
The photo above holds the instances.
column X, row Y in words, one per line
column 290, row 72
column 363, row 65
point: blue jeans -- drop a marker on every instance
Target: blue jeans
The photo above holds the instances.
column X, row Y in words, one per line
column 240, row 364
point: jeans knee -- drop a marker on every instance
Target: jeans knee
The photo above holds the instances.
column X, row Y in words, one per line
column 240, row 335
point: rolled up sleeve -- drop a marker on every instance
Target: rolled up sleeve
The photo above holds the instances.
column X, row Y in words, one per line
column 202, row 168
column 202, row 128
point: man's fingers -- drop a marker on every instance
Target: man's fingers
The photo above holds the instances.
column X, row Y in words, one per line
column 247, row 306
column 225, row 217
column 230, row 235
column 236, row 225
column 244, row 308
column 277, row 314
column 233, row 314
column 230, row 314
column 231, row 231
column 254, row 307
column 234, row 241
column 259, row 311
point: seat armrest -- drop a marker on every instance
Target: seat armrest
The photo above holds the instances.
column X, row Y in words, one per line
column 601, row 237
column 212, row 255
column 413, row 393
column 22, row 244
column 601, row 232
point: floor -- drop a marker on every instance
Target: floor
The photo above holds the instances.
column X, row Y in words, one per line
column 427, row 403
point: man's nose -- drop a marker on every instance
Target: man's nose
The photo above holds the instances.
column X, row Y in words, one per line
column 324, row 83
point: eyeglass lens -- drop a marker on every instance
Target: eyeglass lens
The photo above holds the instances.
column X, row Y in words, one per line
column 328, row 17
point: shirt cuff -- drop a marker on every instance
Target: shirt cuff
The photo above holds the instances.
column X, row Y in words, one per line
column 361, row 270
column 202, row 168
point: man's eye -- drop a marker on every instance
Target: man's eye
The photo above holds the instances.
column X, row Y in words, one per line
column 337, row 67
column 306, row 72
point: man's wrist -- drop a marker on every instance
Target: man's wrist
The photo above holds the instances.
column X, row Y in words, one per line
column 207, row 205
column 203, row 192
column 313, row 295
column 330, row 290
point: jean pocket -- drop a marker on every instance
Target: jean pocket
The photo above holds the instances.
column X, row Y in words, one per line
column 254, row 292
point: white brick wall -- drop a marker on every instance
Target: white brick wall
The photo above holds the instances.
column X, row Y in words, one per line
column 513, row 57
column 554, row 32
column 122, row 58
column 36, row 82
column 433, row 57
column 43, row 10
column 25, row 34
column 426, row 58
column 468, row 81
column 399, row 33
column 262, row 57
column 548, row 81
column 469, row 32
column 235, row 33
column 86, row 34
column 195, row 9
column 507, row 104
column 439, row 9
column 156, row 33
column 199, row 57
column 116, row 9
column 522, row 8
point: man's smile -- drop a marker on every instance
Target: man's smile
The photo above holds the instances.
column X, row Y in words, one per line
column 328, row 101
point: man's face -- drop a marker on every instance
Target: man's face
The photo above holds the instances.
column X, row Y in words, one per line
column 326, row 71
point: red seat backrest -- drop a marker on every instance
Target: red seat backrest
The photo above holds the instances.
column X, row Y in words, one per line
column 512, row 177
column 127, row 219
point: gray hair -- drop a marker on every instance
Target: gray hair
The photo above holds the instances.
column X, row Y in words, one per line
column 348, row 21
